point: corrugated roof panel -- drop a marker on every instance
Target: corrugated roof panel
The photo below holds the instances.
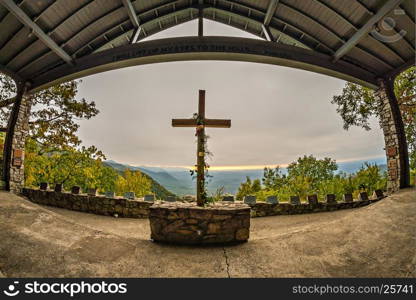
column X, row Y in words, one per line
column 142, row 6
column 99, row 27
column 409, row 7
column 60, row 11
column 308, row 26
column 36, row 49
column 238, row 22
column 9, row 27
column 397, row 33
column 84, row 17
column 328, row 16
column 45, row 11
column 20, row 41
column 258, row 4
column 39, row 66
column 384, row 53
column 3, row 12
column 373, row 4
column 85, row 26
column 367, row 61
column 351, row 10
column 402, row 25
column 35, row 8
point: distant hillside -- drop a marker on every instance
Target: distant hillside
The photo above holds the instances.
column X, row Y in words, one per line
column 179, row 180
column 169, row 181
column 160, row 191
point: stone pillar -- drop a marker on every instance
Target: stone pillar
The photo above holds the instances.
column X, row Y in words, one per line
column 394, row 137
column 14, row 148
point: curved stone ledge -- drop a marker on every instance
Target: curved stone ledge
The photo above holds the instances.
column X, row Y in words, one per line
column 263, row 209
column 99, row 205
column 187, row 223
column 123, row 207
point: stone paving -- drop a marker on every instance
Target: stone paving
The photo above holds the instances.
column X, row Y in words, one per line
column 373, row 241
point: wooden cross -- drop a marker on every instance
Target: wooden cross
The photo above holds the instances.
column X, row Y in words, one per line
column 200, row 122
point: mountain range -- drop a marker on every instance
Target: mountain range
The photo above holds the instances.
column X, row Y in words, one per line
column 179, row 181
column 159, row 190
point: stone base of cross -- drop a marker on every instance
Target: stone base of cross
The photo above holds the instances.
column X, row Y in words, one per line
column 200, row 122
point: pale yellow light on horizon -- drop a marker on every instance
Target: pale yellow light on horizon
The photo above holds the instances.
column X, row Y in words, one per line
column 247, row 167
column 238, row 168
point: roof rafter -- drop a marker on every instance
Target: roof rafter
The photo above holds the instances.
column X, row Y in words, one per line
column 244, row 16
column 131, row 12
column 346, row 20
column 41, row 35
column 271, row 9
column 364, row 30
column 334, row 34
column 310, row 35
column 250, row 17
column 234, row 14
column 96, row 21
column 134, row 20
column 267, row 33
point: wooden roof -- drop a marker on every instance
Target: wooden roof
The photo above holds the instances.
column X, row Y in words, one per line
column 39, row 36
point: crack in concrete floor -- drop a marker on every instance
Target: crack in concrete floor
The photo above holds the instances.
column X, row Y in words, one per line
column 227, row 262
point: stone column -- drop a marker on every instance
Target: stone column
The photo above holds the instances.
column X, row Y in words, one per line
column 14, row 148
column 394, row 137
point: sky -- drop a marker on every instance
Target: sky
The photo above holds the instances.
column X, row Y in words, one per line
column 277, row 113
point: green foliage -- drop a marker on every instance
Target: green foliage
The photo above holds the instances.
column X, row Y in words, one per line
column 307, row 171
column 204, row 149
column 133, row 181
column 308, row 175
column 217, row 195
column 82, row 167
column 274, row 179
column 248, row 188
column 369, row 178
column 55, row 113
column 357, row 104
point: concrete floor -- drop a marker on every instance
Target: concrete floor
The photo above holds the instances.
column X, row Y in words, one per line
column 374, row 241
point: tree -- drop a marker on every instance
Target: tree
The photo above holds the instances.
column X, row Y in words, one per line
column 311, row 170
column 308, row 175
column 134, row 181
column 273, row 179
column 69, row 167
column 248, row 188
column 54, row 115
column 369, row 178
column 357, row 104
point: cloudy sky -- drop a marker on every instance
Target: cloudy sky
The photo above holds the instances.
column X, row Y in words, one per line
column 277, row 113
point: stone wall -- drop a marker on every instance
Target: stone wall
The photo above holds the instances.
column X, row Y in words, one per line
column 21, row 130
column 391, row 138
column 99, row 205
column 123, row 207
column 262, row 209
column 187, row 223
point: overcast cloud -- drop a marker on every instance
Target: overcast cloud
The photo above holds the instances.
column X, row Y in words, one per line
column 277, row 113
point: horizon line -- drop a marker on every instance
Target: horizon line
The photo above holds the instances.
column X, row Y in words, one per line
column 245, row 167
